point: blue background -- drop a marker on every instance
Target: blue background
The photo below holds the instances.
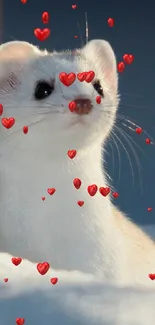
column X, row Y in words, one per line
column 133, row 33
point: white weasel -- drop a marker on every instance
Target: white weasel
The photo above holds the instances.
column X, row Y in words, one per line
column 96, row 238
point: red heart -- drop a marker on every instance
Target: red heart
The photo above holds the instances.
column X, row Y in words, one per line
column 89, row 76
column 148, row 141
column 8, row 122
column 115, row 195
column 43, row 268
column 54, row 280
column 77, row 183
column 67, row 79
column 45, row 17
column 16, row 260
column 72, row 106
column 75, row 36
column 74, row 6
column 43, row 198
column 42, row 34
column 81, row 76
column 80, row 203
column 25, row 129
column 20, row 321
column 71, row 153
column 128, row 58
column 120, row 66
column 110, row 22
column 1, row 109
column 51, row 191
column 104, row 190
column 149, row 209
column 139, row 130
column 92, row 189
column 23, row 1
column 152, row 276
column 98, row 99
column 6, row 280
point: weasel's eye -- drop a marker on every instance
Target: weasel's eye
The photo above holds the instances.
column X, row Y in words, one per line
column 43, row 90
column 97, row 86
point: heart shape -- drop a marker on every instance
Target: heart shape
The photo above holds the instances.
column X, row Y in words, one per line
column 148, row 141
column 8, row 122
column 104, row 190
column 42, row 34
column 139, row 130
column 92, row 189
column 72, row 106
column 81, row 76
column 115, row 195
column 120, row 66
column 89, row 76
column 80, row 203
column 20, row 321
column 67, row 79
column 43, row 268
column 16, row 260
column 77, row 183
column 45, row 17
column 25, row 129
column 98, row 99
column 128, row 58
column 111, row 22
column 149, row 209
column 74, row 6
column 6, row 280
column 1, row 109
column 54, row 280
column 51, row 191
column 152, row 276
column 71, row 153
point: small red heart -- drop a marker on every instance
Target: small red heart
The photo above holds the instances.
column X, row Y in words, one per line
column 71, row 153
column 42, row 34
column 51, row 191
column 54, row 280
column 72, row 106
column 67, row 79
column 80, row 203
column 20, row 321
column 43, row 268
column 74, row 6
column 45, row 17
column 92, row 189
column 23, row 1
column 1, row 109
column 43, row 198
column 149, row 209
column 139, row 130
column 115, row 195
column 128, row 58
column 98, row 99
column 104, row 190
column 111, row 22
column 6, row 280
column 152, row 276
column 8, row 122
column 25, row 129
column 16, row 260
column 75, row 36
column 120, row 66
column 89, row 76
column 77, row 183
column 81, row 76
column 148, row 141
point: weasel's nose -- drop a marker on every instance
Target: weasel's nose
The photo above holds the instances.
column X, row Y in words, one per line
column 83, row 106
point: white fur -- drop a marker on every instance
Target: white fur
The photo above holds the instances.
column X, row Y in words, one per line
column 85, row 239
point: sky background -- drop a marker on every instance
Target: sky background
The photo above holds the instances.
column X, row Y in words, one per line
column 133, row 33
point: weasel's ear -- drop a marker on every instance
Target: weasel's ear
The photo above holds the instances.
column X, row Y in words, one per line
column 12, row 55
column 101, row 56
column 17, row 50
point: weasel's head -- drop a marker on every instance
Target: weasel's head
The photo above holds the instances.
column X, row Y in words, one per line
column 32, row 93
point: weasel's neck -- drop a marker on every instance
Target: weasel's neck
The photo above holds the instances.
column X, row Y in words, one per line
column 58, row 230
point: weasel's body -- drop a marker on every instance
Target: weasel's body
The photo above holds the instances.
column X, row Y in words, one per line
column 95, row 238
